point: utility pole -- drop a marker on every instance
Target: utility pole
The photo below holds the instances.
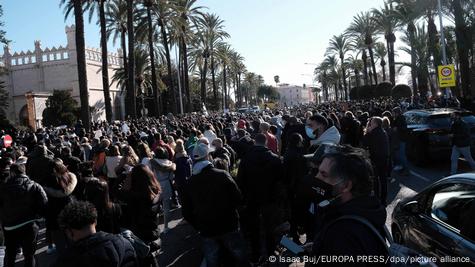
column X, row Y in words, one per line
column 442, row 43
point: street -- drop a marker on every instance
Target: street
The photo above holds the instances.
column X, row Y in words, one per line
column 180, row 246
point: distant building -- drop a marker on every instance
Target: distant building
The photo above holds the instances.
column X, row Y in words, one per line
column 291, row 95
column 33, row 75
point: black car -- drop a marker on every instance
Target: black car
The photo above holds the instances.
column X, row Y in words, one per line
column 429, row 131
column 440, row 220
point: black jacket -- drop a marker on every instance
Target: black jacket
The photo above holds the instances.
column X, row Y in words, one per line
column 141, row 215
column 401, row 125
column 350, row 237
column 461, row 132
column 100, row 249
column 39, row 166
column 295, row 168
column 259, row 174
column 210, row 202
column 72, row 163
column 377, row 142
column 21, row 200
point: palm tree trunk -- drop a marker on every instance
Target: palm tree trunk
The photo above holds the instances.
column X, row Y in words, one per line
column 81, row 60
column 131, row 94
column 203, row 81
column 411, row 30
column 392, row 65
column 213, row 78
column 383, row 67
column 156, row 93
column 239, row 89
column 123, row 43
column 364, row 57
column 343, row 72
column 461, row 33
column 373, row 65
column 186, row 84
column 225, row 87
column 105, row 65
column 172, row 91
column 357, row 78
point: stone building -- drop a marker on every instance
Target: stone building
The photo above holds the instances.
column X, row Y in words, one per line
column 291, row 95
column 33, row 75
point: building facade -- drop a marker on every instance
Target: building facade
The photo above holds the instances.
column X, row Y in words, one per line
column 291, row 95
column 33, row 75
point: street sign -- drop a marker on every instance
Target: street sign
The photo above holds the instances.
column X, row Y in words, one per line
column 7, row 140
column 446, row 75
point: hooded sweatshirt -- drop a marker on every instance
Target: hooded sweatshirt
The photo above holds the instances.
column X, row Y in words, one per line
column 330, row 136
column 163, row 169
column 99, row 249
column 350, row 237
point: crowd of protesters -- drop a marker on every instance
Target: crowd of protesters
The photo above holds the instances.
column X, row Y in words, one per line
column 241, row 180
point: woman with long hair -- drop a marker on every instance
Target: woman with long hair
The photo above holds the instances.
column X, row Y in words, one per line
column 145, row 154
column 142, row 203
column 128, row 161
column 59, row 190
column 108, row 213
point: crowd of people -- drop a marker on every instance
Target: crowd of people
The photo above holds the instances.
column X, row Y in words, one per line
column 241, row 181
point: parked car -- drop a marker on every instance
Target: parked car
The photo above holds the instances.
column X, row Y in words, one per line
column 255, row 109
column 243, row 110
column 440, row 220
column 429, row 131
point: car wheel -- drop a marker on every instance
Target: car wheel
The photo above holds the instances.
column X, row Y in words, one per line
column 397, row 235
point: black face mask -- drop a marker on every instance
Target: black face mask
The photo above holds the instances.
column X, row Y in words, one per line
column 324, row 193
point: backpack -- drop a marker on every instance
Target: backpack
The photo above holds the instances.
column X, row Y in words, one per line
column 395, row 251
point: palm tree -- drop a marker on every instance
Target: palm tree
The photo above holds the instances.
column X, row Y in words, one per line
column 143, row 75
column 186, row 13
column 363, row 25
column 406, row 13
column 388, row 24
column 77, row 6
column 358, row 46
column 199, row 54
column 340, row 45
column 213, row 27
column 357, row 66
column 417, row 44
column 149, row 6
column 236, row 68
column 461, row 10
column 131, row 93
column 116, row 24
column 224, row 55
column 333, row 75
column 321, row 76
column 276, row 79
column 381, row 52
column 164, row 13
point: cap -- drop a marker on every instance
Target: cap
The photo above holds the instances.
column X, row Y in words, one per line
column 201, row 151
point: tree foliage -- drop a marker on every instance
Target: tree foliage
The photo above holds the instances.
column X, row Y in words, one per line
column 61, row 109
column 267, row 92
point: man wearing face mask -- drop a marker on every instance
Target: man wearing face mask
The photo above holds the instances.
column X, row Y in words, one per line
column 320, row 134
column 343, row 187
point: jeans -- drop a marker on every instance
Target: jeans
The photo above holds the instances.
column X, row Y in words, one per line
column 402, row 155
column 233, row 242
column 24, row 237
column 456, row 151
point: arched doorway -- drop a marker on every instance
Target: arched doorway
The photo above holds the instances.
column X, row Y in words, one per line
column 23, row 116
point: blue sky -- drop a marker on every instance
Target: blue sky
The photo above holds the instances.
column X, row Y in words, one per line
column 276, row 37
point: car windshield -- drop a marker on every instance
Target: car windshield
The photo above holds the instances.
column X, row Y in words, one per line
column 444, row 120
